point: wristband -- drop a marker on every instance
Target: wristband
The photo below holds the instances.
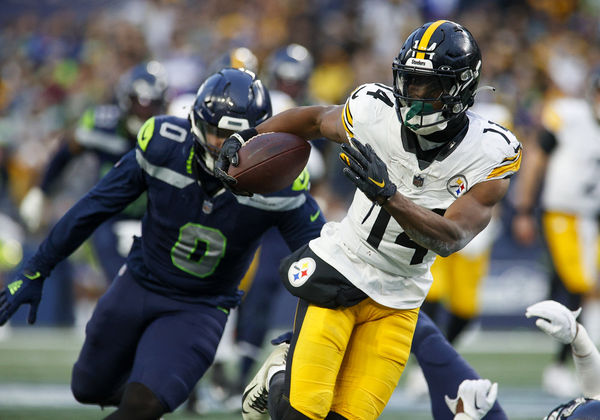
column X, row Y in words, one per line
column 245, row 135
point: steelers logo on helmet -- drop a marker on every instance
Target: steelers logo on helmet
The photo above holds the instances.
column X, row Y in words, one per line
column 436, row 75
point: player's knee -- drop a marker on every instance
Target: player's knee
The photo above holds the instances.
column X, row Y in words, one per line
column 425, row 328
column 86, row 389
column 140, row 403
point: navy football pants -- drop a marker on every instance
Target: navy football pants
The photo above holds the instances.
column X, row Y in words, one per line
column 444, row 369
column 136, row 335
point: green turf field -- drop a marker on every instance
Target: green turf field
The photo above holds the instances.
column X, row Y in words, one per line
column 35, row 367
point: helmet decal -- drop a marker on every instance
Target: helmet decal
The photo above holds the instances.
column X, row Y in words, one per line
column 436, row 75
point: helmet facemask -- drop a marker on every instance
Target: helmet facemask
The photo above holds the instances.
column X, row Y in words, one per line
column 426, row 100
column 206, row 153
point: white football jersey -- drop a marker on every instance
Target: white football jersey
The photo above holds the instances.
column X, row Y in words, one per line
column 369, row 247
column 571, row 184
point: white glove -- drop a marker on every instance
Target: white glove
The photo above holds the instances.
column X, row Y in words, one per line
column 477, row 396
column 31, row 208
column 555, row 320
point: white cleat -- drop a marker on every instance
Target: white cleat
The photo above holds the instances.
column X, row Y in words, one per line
column 256, row 395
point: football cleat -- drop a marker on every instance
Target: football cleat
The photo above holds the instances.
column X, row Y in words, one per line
column 256, row 395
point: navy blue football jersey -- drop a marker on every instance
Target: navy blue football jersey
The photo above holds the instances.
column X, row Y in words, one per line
column 198, row 238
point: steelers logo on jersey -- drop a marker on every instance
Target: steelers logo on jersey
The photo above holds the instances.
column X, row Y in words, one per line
column 457, row 185
column 300, row 271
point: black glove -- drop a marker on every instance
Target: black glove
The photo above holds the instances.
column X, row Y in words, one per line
column 228, row 156
column 367, row 171
column 26, row 288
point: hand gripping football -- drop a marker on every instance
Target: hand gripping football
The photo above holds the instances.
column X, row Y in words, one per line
column 270, row 162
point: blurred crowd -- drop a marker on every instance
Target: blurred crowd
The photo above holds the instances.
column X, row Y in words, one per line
column 57, row 58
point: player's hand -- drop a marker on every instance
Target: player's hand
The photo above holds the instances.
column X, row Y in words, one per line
column 367, row 171
column 228, row 155
column 475, row 397
column 555, row 319
column 524, row 229
column 25, row 288
column 31, row 209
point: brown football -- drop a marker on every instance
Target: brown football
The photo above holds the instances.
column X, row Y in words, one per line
column 270, row 162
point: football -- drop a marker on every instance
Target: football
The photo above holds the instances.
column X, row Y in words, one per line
column 270, row 162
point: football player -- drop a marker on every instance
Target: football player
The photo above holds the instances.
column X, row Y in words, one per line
column 566, row 158
column 155, row 331
column 561, row 323
column 106, row 131
column 429, row 173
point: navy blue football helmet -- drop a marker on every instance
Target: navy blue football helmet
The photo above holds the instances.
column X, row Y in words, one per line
column 436, row 75
column 577, row 409
column 228, row 101
column 289, row 69
column 141, row 94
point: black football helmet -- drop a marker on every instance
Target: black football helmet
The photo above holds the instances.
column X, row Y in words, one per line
column 436, row 75
column 228, row 101
column 577, row 409
column 141, row 94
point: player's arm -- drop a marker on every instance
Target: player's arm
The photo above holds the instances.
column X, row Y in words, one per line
column 528, row 185
column 121, row 185
column 309, row 122
column 463, row 220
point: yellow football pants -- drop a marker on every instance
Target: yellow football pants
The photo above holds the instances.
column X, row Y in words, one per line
column 456, row 281
column 348, row 360
column 572, row 243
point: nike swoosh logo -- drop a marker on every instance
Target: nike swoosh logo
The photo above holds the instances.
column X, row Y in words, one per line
column 244, row 398
column 313, row 217
column 34, row 276
column 379, row 184
column 476, row 405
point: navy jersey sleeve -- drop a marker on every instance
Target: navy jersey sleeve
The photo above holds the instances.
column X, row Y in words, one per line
column 121, row 185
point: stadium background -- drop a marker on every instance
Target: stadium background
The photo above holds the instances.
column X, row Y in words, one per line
column 58, row 57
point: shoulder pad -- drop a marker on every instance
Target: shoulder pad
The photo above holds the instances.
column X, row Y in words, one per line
column 161, row 133
column 364, row 105
column 503, row 148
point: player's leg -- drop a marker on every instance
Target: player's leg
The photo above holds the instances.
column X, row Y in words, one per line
column 374, row 360
column 256, row 308
column 109, row 348
column 314, row 357
column 175, row 350
column 443, row 367
column 571, row 242
column 468, row 272
column 441, row 270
